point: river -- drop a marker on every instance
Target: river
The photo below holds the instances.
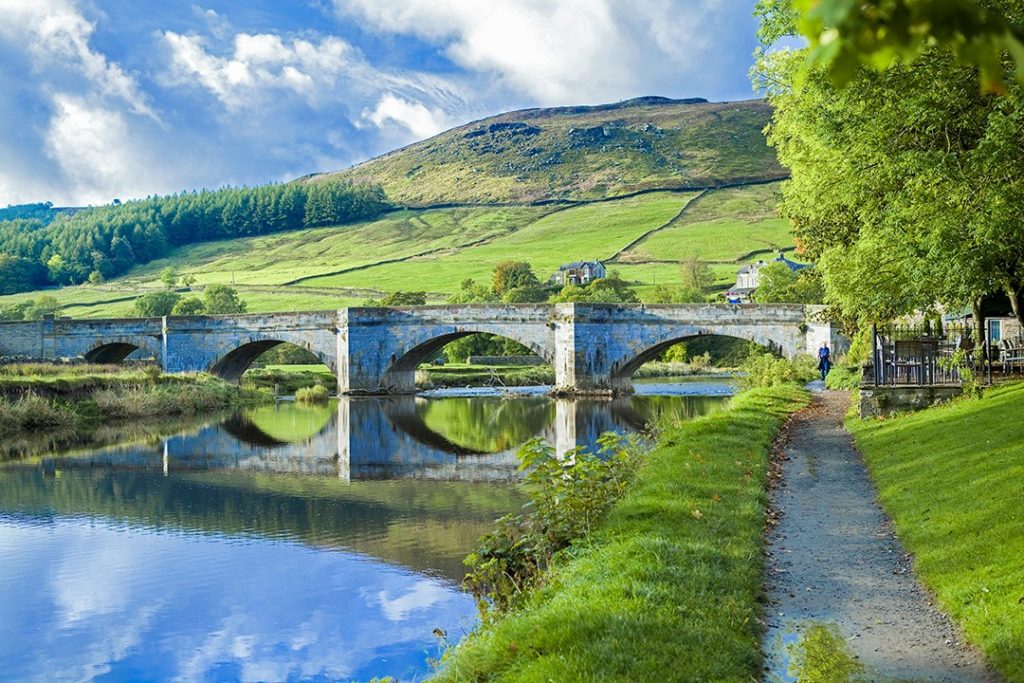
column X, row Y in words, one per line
column 279, row 543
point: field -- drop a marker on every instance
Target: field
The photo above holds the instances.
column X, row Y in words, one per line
column 643, row 237
column 588, row 232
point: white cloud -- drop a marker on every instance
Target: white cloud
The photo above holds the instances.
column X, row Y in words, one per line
column 572, row 51
column 414, row 117
column 57, row 34
column 258, row 65
column 96, row 153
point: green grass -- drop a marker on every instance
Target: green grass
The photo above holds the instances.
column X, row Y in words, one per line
column 952, row 479
column 723, row 225
column 280, row 258
column 464, row 374
column 667, row 589
column 546, row 237
column 592, row 231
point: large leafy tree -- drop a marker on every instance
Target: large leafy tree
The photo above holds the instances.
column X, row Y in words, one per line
column 906, row 181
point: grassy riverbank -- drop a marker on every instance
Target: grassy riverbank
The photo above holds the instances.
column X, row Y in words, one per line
column 952, row 479
column 667, row 588
column 40, row 397
column 288, row 379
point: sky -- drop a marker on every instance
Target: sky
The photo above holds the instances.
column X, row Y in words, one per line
column 106, row 99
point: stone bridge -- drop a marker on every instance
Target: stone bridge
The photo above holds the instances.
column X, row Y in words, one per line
column 594, row 348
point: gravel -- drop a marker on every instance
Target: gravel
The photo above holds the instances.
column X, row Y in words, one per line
column 832, row 558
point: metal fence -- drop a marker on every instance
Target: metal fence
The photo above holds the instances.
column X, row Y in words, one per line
column 926, row 355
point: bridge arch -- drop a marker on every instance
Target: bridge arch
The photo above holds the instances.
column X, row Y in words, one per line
column 232, row 364
column 623, row 368
column 113, row 350
column 401, row 366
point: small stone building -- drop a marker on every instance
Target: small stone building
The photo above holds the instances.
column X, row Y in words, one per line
column 578, row 273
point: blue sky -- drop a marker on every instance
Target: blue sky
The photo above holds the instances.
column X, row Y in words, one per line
column 127, row 98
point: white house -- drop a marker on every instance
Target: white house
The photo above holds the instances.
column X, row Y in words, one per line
column 578, row 273
column 748, row 278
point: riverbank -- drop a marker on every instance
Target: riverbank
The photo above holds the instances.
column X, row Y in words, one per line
column 65, row 402
column 668, row 587
column 952, row 479
column 288, row 379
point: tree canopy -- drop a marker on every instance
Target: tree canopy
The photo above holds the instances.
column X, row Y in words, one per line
column 907, row 182
column 846, row 36
column 111, row 239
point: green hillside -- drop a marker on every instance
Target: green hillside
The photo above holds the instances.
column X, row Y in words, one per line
column 577, row 153
column 671, row 180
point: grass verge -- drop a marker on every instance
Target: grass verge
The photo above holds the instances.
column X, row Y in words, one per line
column 667, row 588
column 952, row 479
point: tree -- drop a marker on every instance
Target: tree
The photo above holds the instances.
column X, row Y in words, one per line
column 401, row 298
column 96, row 277
column 188, row 279
column 472, row 293
column 155, row 304
column 607, row 290
column 695, row 274
column 780, row 285
column 666, row 294
column 221, row 299
column 845, row 36
column 189, row 305
column 905, row 182
column 19, row 274
column 512, row 274
column 525, row 294
column 44, row 305
column 169, row 276
column 57, row 269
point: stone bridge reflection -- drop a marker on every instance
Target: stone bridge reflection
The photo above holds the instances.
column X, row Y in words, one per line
column 415, row 467
column 395, row 437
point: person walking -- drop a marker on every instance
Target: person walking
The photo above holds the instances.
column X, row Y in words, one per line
column 824, row 360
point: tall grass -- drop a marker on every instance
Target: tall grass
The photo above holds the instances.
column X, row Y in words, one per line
column 313, row 394
column 172, row 399
column 33, row 412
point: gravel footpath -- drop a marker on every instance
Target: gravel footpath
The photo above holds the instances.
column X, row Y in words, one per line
column 833, row 558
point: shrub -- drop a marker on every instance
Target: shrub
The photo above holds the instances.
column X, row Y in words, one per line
column 313, row 394
column 32, row 411
column 569, row 495
column 765, row 370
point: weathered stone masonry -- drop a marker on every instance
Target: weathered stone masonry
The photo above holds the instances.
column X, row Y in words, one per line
column 594, row 348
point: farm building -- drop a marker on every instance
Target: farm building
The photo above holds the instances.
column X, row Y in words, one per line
column 578, row 273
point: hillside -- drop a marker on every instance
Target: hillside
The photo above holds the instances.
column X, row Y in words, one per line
column 691, row 183
column 578, row 153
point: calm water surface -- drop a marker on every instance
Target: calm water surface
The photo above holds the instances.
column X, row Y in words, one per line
column 282, row 543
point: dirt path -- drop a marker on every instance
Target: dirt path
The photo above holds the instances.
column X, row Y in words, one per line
column 833, row 559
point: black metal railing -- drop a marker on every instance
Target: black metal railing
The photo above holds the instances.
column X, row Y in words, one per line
column 926, row 355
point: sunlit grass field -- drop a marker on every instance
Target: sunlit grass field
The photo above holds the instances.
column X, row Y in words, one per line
column 588, row 232
column 952, row 478
column 330, row 268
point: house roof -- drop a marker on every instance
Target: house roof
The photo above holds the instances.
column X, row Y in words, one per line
column 754, row 267
column 579, row 264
